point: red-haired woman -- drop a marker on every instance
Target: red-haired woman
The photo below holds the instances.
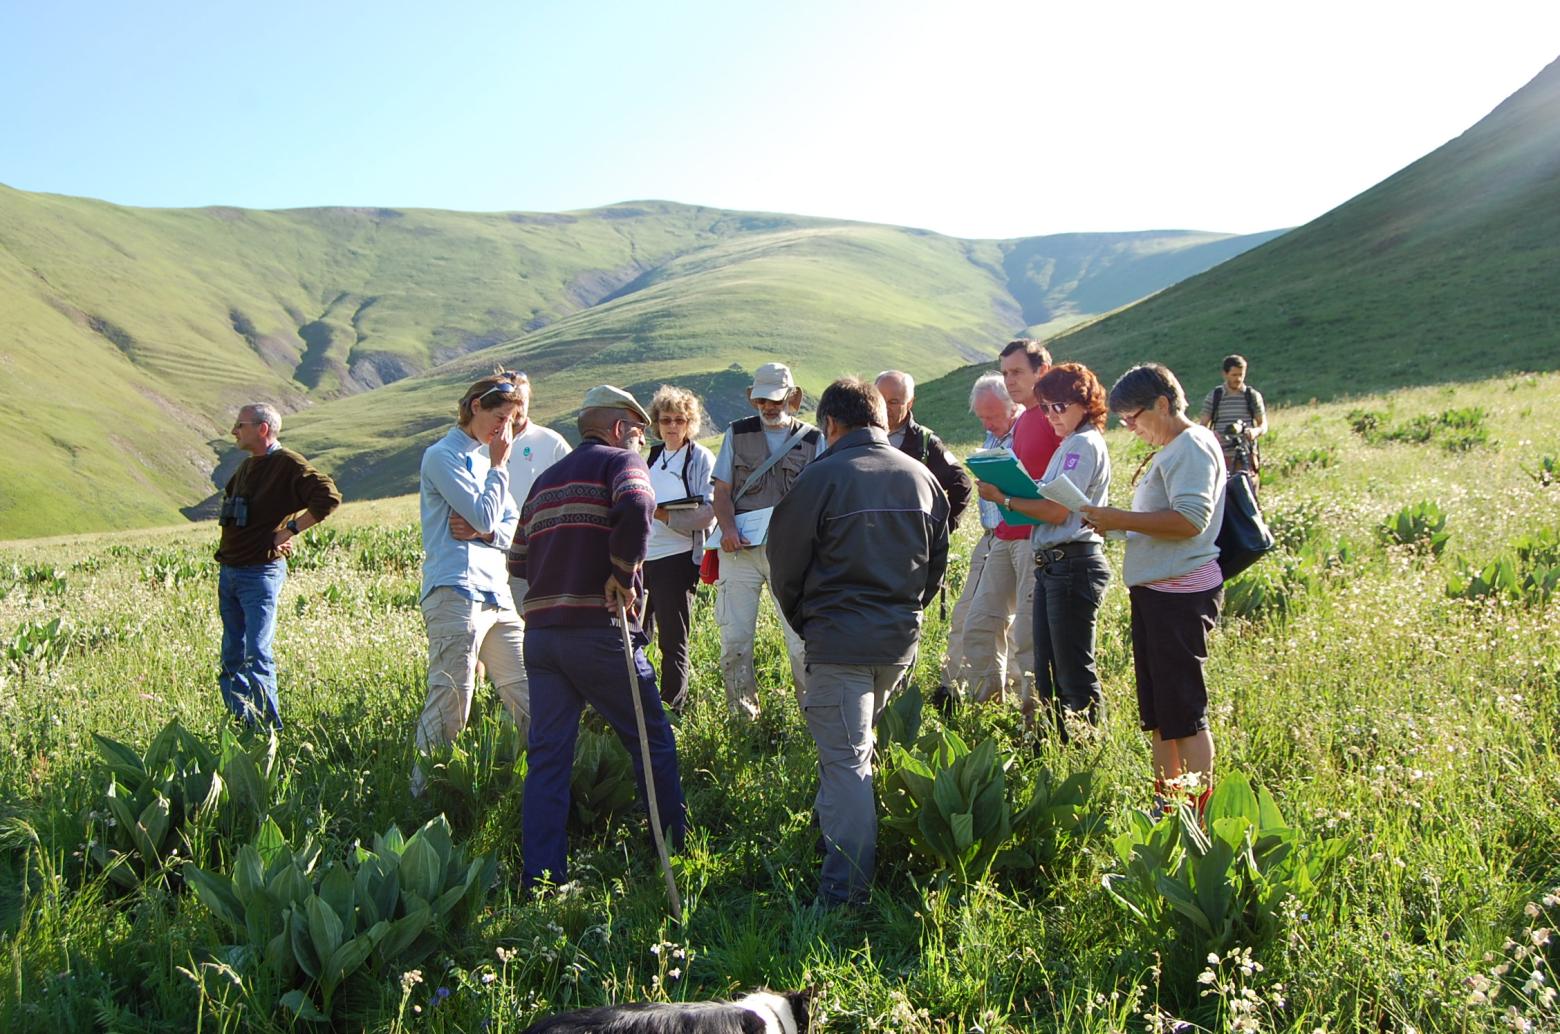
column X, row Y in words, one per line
column 1070, row 568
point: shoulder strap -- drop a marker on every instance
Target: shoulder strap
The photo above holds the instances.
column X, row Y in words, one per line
column 1218, row 397
column 1251, row 404
column 687, row 455
column 655, row 452
column 774, row 457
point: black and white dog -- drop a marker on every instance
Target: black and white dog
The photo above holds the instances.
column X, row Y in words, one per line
column 763, row 1012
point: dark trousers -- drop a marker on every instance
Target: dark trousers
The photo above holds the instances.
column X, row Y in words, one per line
column 1068, row 593
column 671, row 582
column 1169, row 645
column 569, row 668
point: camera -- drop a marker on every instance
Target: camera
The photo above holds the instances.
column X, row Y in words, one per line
column 235, row 512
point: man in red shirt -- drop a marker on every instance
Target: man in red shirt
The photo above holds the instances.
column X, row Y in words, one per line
column 1005, row 596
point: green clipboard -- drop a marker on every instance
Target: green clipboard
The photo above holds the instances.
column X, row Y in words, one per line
column 1001, row 468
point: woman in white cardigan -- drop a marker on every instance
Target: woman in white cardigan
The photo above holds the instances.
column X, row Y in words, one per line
column 1172, row 573
column 680, row 471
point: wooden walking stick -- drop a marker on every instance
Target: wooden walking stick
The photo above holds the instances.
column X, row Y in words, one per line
column 644, row 754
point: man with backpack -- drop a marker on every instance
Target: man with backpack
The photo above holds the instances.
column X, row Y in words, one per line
column 1235, row 412
column 921, row 443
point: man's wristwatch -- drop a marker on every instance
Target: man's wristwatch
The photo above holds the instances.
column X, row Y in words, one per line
column 1007, row 502
column 292, row 526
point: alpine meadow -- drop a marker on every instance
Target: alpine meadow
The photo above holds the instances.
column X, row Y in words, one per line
column 1382, row 847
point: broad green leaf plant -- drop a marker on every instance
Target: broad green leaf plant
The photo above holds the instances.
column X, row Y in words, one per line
column 305, row 931
column 951, row 803
column 1203, row 889
column 160, row 808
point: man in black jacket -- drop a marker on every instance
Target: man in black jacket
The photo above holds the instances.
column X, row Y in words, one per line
column 857, row 549
column 921, row 443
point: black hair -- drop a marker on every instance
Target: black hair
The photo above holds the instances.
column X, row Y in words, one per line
column 853, row 403
column 1143, row 385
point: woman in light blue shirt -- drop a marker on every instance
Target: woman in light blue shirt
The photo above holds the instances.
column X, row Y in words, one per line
column 468, row 521
column 1071, row 572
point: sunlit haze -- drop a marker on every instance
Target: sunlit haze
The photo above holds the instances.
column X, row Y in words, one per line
column 976, row 119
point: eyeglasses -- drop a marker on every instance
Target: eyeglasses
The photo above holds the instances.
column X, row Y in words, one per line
column 1057, row 407
column 246, row 423
column 672, row 419
column 1131, row 418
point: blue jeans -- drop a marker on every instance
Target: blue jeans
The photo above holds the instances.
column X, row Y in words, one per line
column 246, row 599
column 1068, row 593
column 569, row 668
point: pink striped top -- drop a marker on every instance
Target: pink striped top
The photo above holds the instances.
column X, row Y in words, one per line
column 1206, row 577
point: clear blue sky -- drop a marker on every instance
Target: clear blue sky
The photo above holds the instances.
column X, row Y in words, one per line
column 971, row 118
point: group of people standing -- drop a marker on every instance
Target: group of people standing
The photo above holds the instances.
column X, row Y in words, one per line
column 1038, row 575
column 536, row 555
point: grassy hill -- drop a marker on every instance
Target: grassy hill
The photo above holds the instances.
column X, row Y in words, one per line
column 1448, row 270
column 129, row 336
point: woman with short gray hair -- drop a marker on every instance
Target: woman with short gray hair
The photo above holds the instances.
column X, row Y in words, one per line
column 1172, row 573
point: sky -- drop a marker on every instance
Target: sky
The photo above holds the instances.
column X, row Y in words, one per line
column 977, row 119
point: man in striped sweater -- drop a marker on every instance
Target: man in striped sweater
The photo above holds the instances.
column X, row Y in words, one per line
column 1236, row 403
column 580, row 544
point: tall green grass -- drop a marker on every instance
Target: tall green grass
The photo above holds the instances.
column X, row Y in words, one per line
column 1419, row 727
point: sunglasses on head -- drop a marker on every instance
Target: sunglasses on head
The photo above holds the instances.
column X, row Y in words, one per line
column 501, row 388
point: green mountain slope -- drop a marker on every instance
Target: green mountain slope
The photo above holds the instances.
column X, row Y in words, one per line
column 827, row 300
column 1448, row 270
column 129, row 336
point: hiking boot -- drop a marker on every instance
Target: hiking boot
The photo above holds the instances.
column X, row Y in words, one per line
column 944, row 699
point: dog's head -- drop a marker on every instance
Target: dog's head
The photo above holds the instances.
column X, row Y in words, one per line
column 781, row 1012
column 801, row 1007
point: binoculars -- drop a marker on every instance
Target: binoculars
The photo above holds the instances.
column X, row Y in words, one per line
column 235, row 511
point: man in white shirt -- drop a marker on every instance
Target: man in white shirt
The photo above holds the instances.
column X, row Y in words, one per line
column 535, row 449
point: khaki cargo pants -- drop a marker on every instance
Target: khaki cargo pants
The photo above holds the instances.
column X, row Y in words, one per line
column 462, row 632
column 743, row 577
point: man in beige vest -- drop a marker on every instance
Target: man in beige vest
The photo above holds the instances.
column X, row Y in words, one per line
column 758, row 462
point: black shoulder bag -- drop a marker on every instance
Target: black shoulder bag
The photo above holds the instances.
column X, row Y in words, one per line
column 1244, row 536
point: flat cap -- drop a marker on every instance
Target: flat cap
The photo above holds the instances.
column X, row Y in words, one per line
column 605, row 396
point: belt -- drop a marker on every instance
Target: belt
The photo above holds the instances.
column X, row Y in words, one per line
column 1066, row 551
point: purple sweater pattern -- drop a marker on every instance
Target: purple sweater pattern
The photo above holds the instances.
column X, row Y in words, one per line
column 587, row 519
